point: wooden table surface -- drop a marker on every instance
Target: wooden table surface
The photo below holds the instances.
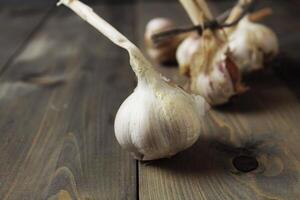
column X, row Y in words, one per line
column 61, row 84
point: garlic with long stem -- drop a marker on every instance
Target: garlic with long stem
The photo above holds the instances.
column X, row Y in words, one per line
column 252, row 44
column 213, row 73
column 161, row 52
column 158, row 119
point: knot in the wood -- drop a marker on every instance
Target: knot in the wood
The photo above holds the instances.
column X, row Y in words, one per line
column 245, row 163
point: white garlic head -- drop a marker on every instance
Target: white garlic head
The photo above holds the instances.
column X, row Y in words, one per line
column 185, row 51
column 214, row 75
column 252, row 44
column 158, row 120
column 164, row 51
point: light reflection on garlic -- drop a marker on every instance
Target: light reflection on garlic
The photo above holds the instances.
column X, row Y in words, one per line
column 252, row 44
column 163, row 52
column 158, row 119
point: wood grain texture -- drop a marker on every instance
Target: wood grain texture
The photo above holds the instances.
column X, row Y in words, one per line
column 262, row 124
column 58, row 101
column 17, row 26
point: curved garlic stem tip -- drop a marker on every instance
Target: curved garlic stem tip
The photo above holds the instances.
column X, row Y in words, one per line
column 139, row 65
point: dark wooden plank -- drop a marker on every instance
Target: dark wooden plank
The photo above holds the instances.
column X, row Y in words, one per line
column 57, row 138
column 17, row 25
column 262, row 124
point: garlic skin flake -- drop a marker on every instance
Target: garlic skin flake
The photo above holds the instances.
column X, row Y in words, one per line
column 252, row 44
column 158, row 119
column 163, row 52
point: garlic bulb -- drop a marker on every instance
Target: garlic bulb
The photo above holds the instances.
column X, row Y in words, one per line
column 213, row 74
column 163, row 52
column 216, row 78
column 252, row 44
column 185, row 52
column 158, row 119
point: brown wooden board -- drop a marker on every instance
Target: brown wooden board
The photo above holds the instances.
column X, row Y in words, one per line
column 60, row 91
column 17, row 26
column 260, row 126
column 58, row 101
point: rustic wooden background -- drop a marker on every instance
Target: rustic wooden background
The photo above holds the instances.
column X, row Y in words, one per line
column 61, row 84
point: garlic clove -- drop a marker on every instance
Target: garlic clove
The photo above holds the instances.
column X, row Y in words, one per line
column 158, row 119
column 185, row 52
column 163, row 52
column 252, row 44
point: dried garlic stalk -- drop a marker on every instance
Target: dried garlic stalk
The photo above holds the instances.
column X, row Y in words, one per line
column 198, row 13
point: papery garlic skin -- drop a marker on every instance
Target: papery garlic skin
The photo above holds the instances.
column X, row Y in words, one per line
column 185, row 52
column 252, row 44
column 159, row 120
column 162, row 52
column 211, row 69
column 217, row 87
column 214, row 74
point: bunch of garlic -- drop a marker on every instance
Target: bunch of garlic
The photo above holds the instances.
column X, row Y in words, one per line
column 162, row 52
column 252, row 44
column 213, row 73
column 158, row 119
